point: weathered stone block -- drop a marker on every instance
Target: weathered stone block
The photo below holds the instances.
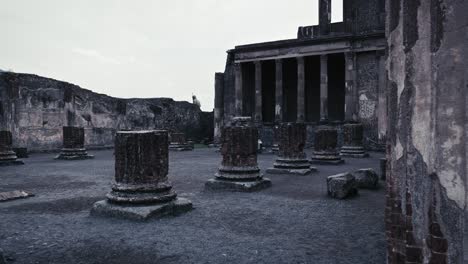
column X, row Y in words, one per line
column 352, row 141
column 366, row 179
column 13, row 195
column 179, row 143
column 291, row 156
column 239, row 170
column 341, row 186
column 142, row 188
column 325, row 144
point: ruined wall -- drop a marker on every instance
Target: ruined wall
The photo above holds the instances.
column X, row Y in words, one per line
column 427, row 96
column 35, row 109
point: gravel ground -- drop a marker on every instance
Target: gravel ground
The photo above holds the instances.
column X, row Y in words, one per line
column 292, row 222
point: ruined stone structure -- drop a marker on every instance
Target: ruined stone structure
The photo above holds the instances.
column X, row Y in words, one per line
column 7, row 155
column 352, row 141
column 239, row 169
column 179, row 143
column 35, row 109
column 142, row 188
column 427, row 141
column 73, row 144
column 291, row 156
column 325, row 146
column 331, row 72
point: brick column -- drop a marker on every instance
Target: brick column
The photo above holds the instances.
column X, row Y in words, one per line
column 218, row 107
column 352, row 141
column 258, row 92
column 350, row 85
column 239, row 170
column 73, row 144
column 323, row 89
column 7, row 155
column 300, row 90
column 179, row 143
column 142, row 188
column 279, row 91
column 238, row 90
column 291, row 156
column 325, row 143
column 324, row 16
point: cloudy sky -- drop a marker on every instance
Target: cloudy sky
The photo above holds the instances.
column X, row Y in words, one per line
column 144, row 48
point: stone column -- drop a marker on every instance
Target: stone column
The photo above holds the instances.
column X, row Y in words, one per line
column 325, row 143
column 239, row 170
column 382, row 106
column 352, row 141
column 291, row 156
column 179, row 143
column 73, row 144
column 324, row 16
column 350, row 84
column 258, row 92
column 7, row 155
column 238, row 85
column 142, row 188
column 300, row 90
column 279, row 91
column 219, row 107
column 323, row 89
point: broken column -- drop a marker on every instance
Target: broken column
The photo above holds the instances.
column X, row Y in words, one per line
column 73, row 144
column 239, row 170
column 142, row 188
column 218, row 107
column 325, row 143
column 179, row 143
column 7, row 155
column 352, row 141
column 291, row 156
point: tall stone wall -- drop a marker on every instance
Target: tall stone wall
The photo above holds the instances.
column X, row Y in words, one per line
column 35, row 109
column 427, row 139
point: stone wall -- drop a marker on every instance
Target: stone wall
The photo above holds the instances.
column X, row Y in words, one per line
column 35, row 109
column 427, row 139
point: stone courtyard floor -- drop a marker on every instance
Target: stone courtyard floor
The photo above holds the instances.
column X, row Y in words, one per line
column 292, row 222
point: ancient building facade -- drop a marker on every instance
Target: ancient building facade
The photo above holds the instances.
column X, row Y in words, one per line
column 331, row 72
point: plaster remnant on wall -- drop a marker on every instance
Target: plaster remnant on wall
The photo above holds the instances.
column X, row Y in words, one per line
column 366, row 109
column 398, row 149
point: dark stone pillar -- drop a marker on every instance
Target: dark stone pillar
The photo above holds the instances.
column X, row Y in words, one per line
column 239, row 170
column 179, row 143
column 325, row 143
column 73, row 144
column 279, row 91
column 142, row 188
column 323, row 89
column 352, row 141
column 258, row 92
column 218, row 107
column 291, row 156
column 300, row 90
column 7, row 155
column 350, row 84
column 238, row 90
column 324, row 16
column 427, row 131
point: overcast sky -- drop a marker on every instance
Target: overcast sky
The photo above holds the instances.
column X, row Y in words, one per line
column 144, row 48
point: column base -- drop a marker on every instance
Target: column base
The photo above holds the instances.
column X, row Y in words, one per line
column 295, row 167
column 141, row 212
column 237, row 186
column 353, row 152
column 74, row 154
column 180, row 147
column 326, row 158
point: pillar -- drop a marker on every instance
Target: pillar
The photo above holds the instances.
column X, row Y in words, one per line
column 238, row 86
column 350, row 88
column 323, row 89
column 239, row 169
column 325, row 143
column 141, row 189
column 382, row 97
column 279, row 91
column 353, row 134
column 427, row 131
column 300, row 90
column 178, row 142
column 258, row 92
column 218, row 107
column 291, row 158
column 73, row 144
column 324, row 16
column 7, row 155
